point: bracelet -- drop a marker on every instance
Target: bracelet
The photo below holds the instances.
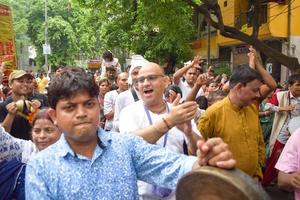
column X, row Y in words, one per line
column 166, row 123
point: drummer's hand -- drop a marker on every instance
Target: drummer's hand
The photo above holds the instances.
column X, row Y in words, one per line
column 215, row 152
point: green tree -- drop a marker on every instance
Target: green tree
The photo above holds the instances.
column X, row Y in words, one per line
column 160, row 30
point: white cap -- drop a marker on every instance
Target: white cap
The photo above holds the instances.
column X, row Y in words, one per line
column 136, row 61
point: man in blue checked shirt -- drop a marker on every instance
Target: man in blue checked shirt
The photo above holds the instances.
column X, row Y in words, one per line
column 89, row 163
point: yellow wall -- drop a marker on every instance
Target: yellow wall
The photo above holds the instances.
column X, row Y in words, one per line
column 275, row 27
column 278, row 19
column 202, row 50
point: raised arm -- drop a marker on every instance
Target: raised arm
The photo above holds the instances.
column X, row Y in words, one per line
column 201, row 80
column 179, row 73
column 11, row 147
column 269, row 82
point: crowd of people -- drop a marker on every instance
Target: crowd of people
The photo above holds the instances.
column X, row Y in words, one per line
column 132, row 134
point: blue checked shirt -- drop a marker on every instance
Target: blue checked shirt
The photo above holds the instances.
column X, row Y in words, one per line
column 112, row 173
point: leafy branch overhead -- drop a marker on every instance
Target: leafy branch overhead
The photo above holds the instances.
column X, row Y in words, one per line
column 227, row 31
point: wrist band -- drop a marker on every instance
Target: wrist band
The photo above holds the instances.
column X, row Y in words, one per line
column 166, row 123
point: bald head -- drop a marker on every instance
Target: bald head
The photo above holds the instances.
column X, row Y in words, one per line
column 122, row 81
column 153, row 66
column 151, row 84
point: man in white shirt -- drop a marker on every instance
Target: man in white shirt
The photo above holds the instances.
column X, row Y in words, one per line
column 110, row 99
column 190, row 73
column 131, row 95
column 154, row 119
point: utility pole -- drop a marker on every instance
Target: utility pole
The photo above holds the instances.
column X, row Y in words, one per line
column 289, row 33
column 208, row 42
column 289, row 29
column 46, row 36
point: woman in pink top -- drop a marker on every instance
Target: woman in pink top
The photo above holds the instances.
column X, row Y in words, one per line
column 289, row 165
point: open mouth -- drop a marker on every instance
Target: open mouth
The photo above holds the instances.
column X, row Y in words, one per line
column 148, row 92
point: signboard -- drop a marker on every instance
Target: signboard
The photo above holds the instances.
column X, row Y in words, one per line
column 46, row 49
column 7, row 44
column 94, row 64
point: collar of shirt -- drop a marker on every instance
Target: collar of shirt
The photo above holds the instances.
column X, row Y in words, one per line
column 64, row 148
column 293, row 97
column 186, row 84
column 233, row 106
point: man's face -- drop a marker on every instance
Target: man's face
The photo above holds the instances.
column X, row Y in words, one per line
column 295, row 89
column 191, row 76
column 77, row 117
column 249, row 93
column 22, row 85
column 123, row 81
column 152, row 88
column 111, row 74
column 135, row 73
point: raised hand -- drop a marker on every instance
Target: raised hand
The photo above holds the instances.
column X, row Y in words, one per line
column 197, row 60
column 203, row 79
column 12, row 108
column 181, row 113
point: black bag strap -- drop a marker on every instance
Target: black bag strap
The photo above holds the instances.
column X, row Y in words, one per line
column 135, row 96
column 185, row 148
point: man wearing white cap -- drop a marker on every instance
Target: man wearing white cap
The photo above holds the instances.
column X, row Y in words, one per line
column 131, row 95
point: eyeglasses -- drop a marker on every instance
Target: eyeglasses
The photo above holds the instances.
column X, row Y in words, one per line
column 150, row 78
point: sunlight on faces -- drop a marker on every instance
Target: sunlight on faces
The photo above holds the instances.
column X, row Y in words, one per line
column 152, row 88
column 77, row 117
column 44, row 133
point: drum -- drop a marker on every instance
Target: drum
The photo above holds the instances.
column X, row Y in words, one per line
column 210, row 183
column 294, row 124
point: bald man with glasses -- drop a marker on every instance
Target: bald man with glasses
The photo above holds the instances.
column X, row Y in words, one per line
column 155, row 120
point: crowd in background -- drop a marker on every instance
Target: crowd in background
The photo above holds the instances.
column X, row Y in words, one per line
column 247, row 109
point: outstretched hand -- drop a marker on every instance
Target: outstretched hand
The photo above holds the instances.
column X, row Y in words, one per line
column 197, row 60
column 215, row 152
column 181, row 113
column 203, row 79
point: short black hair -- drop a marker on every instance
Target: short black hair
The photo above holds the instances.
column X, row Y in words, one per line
column 71, row 81
column 244, row 74
column 202, row 102
column 173, row 87
column 293, row 79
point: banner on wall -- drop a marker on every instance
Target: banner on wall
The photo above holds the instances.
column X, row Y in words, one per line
column 7, row 44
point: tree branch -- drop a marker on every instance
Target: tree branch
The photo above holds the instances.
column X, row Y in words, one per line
column 227, row 31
